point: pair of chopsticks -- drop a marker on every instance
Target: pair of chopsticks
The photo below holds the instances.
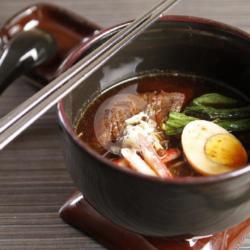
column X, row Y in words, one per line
column 29, row 111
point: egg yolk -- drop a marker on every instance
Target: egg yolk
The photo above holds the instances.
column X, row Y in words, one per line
column 226, row 149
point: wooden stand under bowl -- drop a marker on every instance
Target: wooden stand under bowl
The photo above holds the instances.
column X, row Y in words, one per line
column 78, row 212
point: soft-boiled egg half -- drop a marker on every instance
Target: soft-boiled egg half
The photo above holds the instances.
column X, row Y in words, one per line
column 211, row 149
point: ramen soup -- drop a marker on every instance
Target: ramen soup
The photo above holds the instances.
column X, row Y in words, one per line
column 169, row 125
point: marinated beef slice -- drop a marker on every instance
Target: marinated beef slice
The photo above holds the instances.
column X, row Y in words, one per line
column 110, row 118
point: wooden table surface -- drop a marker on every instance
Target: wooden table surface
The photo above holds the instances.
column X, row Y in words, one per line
column 33, row 179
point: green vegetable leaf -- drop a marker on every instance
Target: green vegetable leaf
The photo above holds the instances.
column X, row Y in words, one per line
column 232, row 118
column 176, row 122
column 210, row 113
column 215, row 100
column 235, row 125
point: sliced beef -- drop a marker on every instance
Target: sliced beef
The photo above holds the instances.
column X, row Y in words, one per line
column 111, row 115
column 160, row 104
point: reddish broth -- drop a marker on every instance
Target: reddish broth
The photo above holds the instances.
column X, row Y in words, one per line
column 190, row 86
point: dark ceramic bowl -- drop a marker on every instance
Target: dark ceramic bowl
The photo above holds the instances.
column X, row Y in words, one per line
column 148, row 205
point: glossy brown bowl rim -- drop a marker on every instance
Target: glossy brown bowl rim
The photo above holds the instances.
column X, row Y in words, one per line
column 180, row 181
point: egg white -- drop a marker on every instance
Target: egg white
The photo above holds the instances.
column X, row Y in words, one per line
column 194, row 138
